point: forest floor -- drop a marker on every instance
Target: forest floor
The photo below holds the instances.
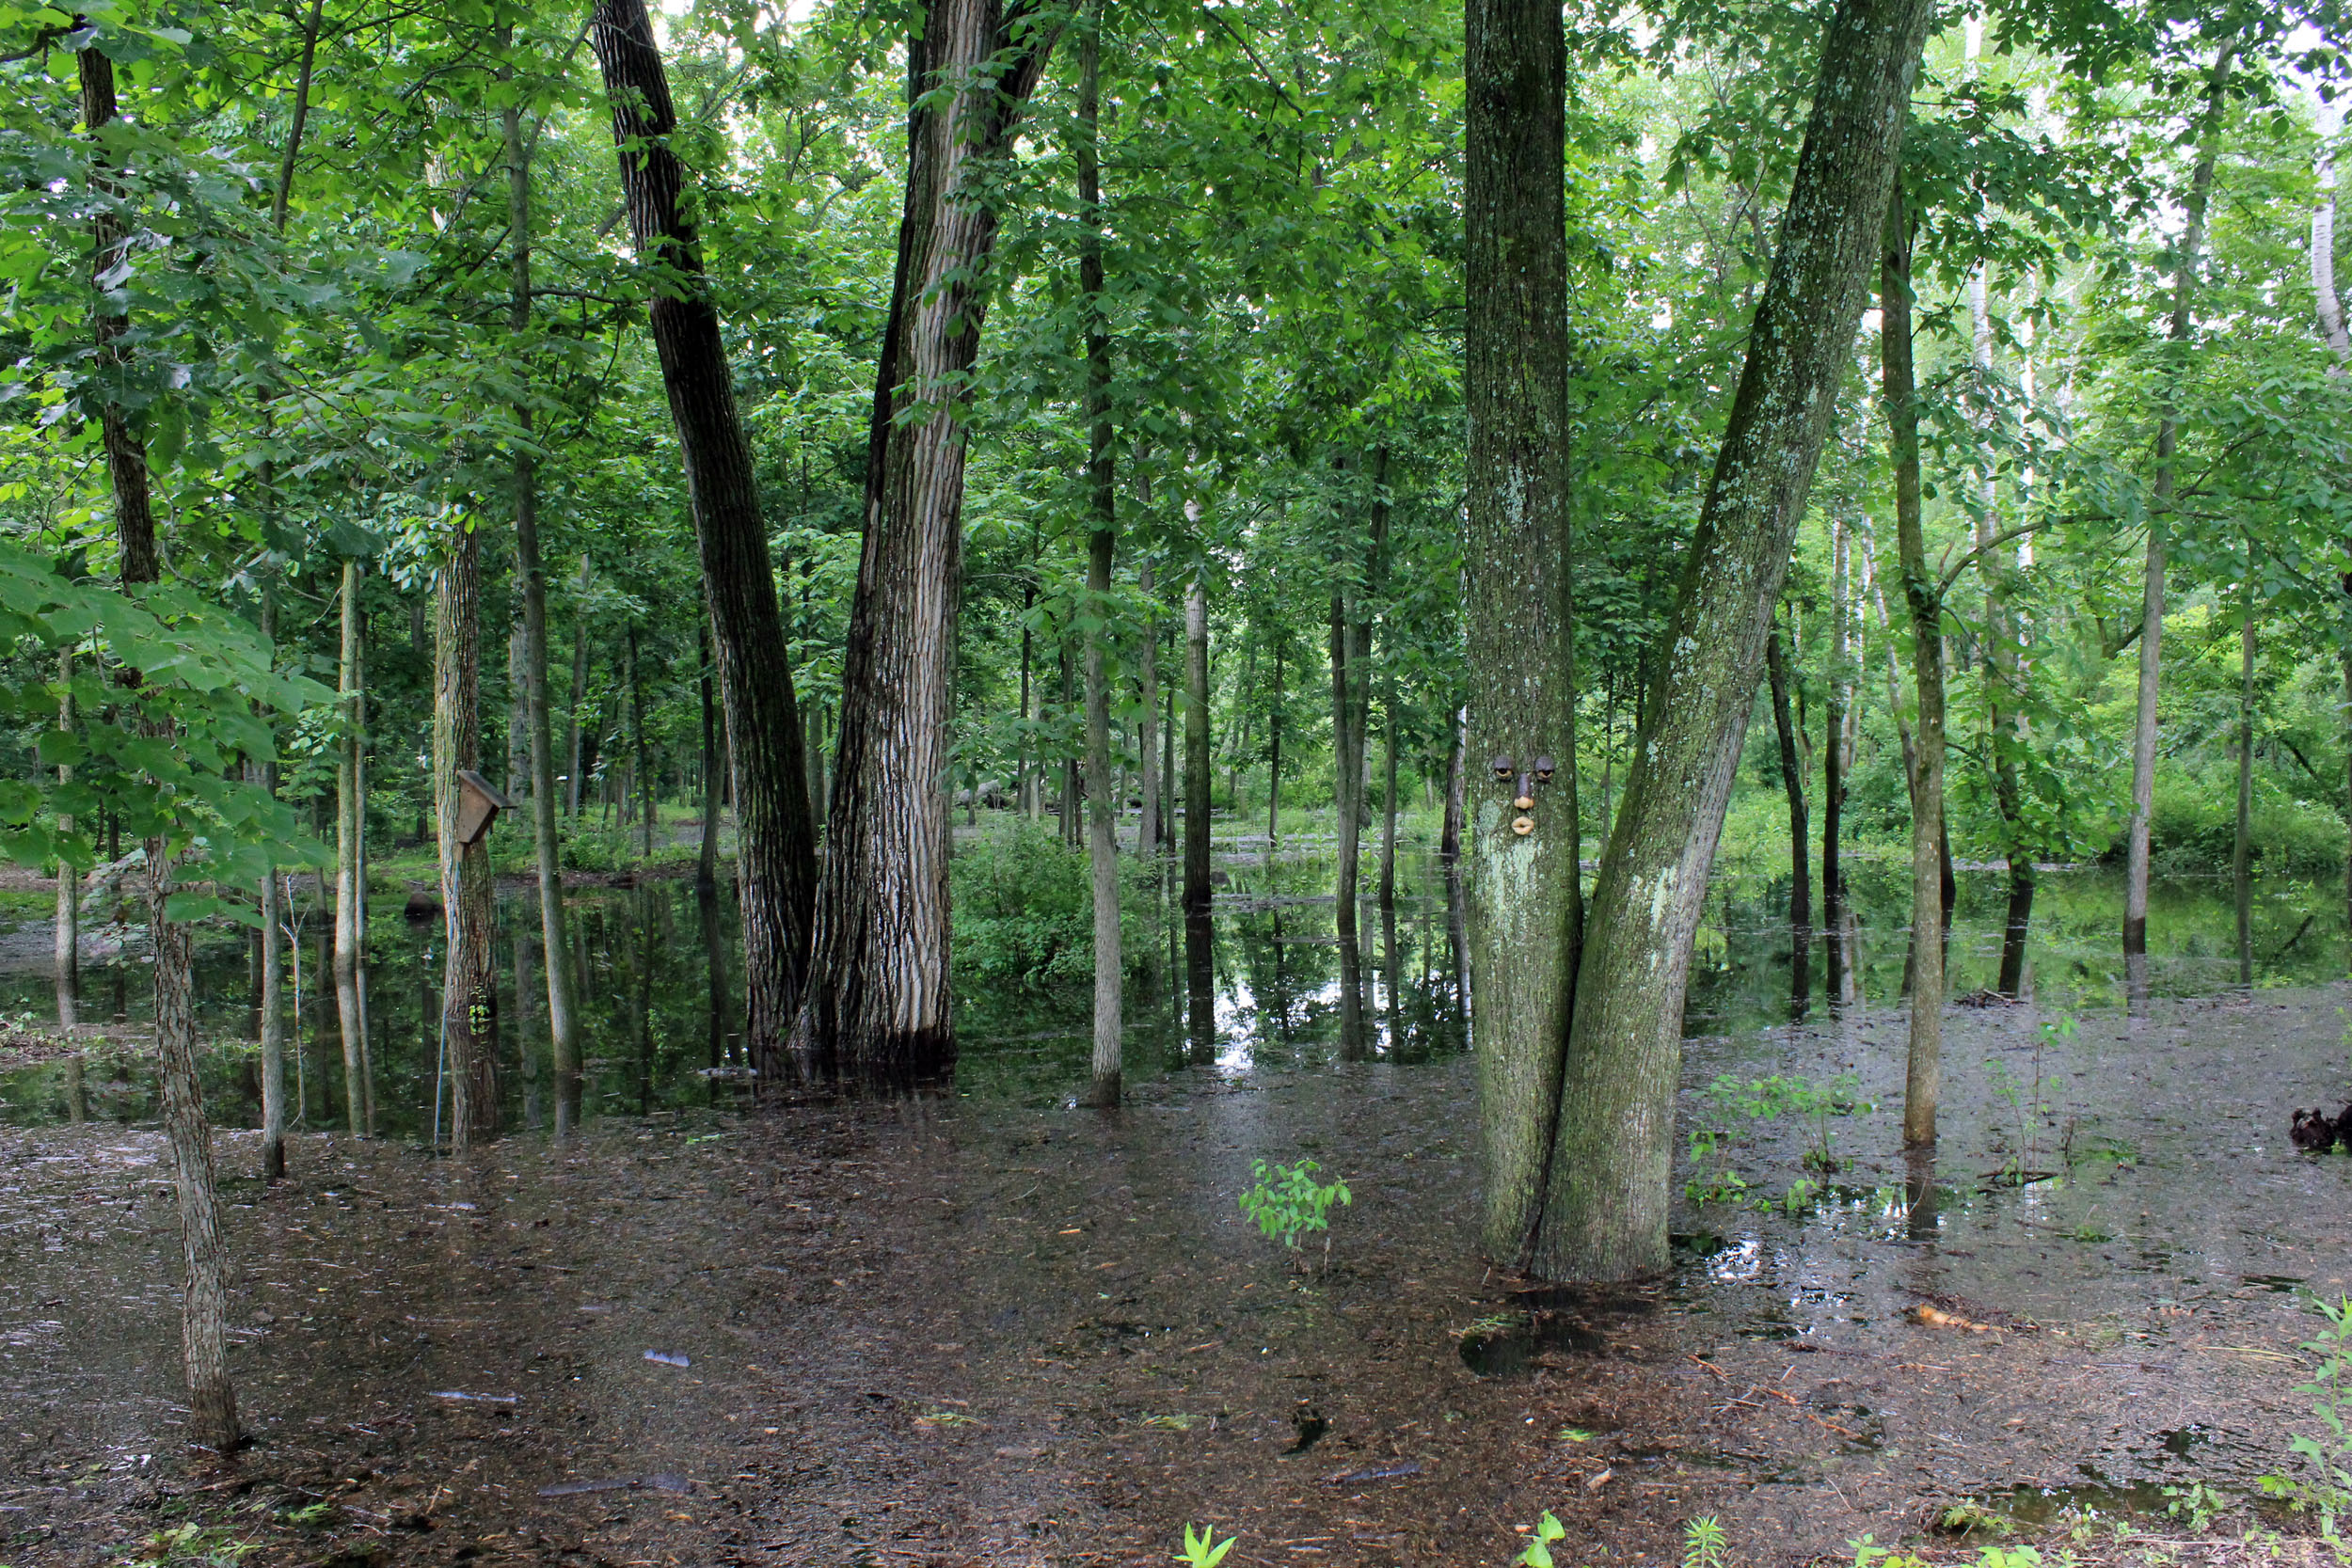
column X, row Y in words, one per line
column 958, row 1332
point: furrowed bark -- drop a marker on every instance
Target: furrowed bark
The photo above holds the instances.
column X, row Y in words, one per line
column 1606, row 1211
column 1924, row 1060
column 1525, row 906
column 469, row 977
column 2185, row 268
column 880, row 1008
column 775, row 837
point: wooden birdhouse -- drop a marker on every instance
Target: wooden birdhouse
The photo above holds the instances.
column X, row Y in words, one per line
column 478, row 806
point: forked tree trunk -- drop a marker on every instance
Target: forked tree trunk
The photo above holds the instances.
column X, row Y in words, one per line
column 1526, row 907
column 1102, row 542
column 1607, row 1203
column 212, row 1399
column 1197, row 760
column 2186, row 263
column 469, row 977
column 880, row 1007
column 776, row 854
column 1923, row 1061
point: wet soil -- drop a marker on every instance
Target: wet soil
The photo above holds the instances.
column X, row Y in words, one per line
column 978, row 1330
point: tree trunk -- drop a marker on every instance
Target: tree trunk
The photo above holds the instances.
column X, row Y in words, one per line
column 707, row 863
column 350, row 818
column 1923, row 1062
column 1388, row 797
column 1606, row 1212
column 67, row 938
column 2242, row 850
column 1029, row 798
column 1102, row 542
column 1273, row 758
column 2187, row 261
column 1450, row 831
column 1148, row 824
column 1072, row 837
column 468, row 975
column 555, row 945
column 1792, row 782
column 1526, row 907
column 2332, row 325
column 775, row 857
column 648, row 801
column 1197, row 761
column 880, row 1008
column 212, row 1399
column 579, row 699
column 1346, row 769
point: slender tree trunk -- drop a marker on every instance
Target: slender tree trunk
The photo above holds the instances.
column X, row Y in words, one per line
column 538, row 722
column 350, row 818
column 1924, row 1064
column 1450, row 833
column 579, row 699
column 1197, row 761
column 1347, row 771
column 1606, row 1215
column 468, row 975
column 775, row 859
column 212, row 1399
column 1526, row 914
column 707, row 863
column 1148, row 824
column 2242, row 850
column 1274, row 760
column 2186, row 264
column 1792, row 783
column 1072, row 836
column 880, row 1007
column 1027, row 797
column 1388, row 797
column 2331, row 323
column 68, row 934
column 517, row 709
column 1102, row 542
column 648, row 804
column 1839, row 698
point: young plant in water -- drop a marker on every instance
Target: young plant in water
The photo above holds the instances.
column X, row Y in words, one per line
column 1286, row 1200
column 1769, row 1099
column 1203, row 1550
column 2325, row 1488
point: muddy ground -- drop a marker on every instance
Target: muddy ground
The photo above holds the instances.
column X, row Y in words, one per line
column 964, row 1332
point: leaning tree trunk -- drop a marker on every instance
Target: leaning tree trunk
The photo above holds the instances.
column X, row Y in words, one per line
column 1923, row 1061
column 2185, row 271
column 1197, row 761
column 1526, row 907
column 880, row 1007
column 204, row 1306
column 469, row 977
column 1605, row 1214
column 1102, row 541
column 776, row 839
column 350, row 821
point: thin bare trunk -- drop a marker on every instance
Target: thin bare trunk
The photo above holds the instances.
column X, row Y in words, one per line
column 2242, row 850
column 350, row 818
column 1102, row 542
column 1197, row 761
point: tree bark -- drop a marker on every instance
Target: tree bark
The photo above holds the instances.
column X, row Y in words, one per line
column 648, row 802
column 1102, row 542
column 1924, row 1060
column 1148, row 822
column 1274, row 757
column 1839, row 699
column 1526, row 906
column 1792, row 783
column 1197, row 761
column 2185, row 262
column 1388, row 797
column 67, row 938
column 775, row 838
column 1347, row 770
column 2242, row 850
column 211, row 1397
column 880, row 1007
column 578, row 701
column 469, row 977
column 706, row 861
column 1450, row 830
column 2332, row 325
column 1606, row 1212
column 350, row 819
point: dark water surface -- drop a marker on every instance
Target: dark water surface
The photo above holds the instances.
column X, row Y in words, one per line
column 991, row 1327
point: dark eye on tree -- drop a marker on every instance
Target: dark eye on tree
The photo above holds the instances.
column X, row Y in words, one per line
column 1502, row 767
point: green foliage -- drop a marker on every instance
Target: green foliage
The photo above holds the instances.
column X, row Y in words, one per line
column 1024, row 909
column 1703, row 1542
column 1769, row 1099
column 1285, row 1202
column 2324, row 1487
column 1203, row 1550
column 1537, row 1553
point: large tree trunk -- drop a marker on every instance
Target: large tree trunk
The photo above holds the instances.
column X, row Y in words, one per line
column 880, row 1007
column 1606, row 1212
column 2185, row 264
column 1526, row 906
column 1197, row 761
column 212, row 1399
column 469, row 977
column 350, row 820
column 776, row 839
column 1102, row 541
column 1792, row 783
column 1923, row 1062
